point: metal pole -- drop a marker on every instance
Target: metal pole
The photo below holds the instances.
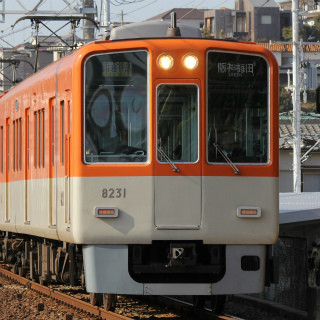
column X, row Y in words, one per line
column 106, row 15
column 88, row 26
column 296, row 100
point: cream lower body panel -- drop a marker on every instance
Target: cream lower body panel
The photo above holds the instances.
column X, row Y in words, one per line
column 106, row 271
column 69, row 215
column 216, row 212
column 32, row 207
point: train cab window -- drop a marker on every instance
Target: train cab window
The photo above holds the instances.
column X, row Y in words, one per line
column 116, row 108
column 237, row 109
column 177, row 123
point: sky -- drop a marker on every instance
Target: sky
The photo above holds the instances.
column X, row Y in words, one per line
column 133, row 11
column 142, row 10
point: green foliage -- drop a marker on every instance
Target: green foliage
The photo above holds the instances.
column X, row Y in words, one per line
column 285, row 103
column 286, row 34
column 307, row 32
column 205, row 33
column 311, row 33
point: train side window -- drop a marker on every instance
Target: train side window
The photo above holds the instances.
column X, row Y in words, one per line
column 8, row 145
column 116, row 108
column 35, row 139
column 20, row 144
column 62, row 132
column 14, row 145
column 238, row 108
column 1, row 149
column 69, row 117
column 27, row 142
column 17, row 144
column 43, row 138
column 52, row 132
column 39, row 138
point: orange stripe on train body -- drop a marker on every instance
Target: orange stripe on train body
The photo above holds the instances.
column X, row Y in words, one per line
column 36, row 92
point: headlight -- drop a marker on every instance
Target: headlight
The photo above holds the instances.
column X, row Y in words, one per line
column 165, row 61
column 190, row 61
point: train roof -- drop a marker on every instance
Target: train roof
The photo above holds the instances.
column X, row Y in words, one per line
column 151, row 29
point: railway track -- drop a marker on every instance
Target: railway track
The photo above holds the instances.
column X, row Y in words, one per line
column 63, row 298
column 199, row 313
column 184, row 309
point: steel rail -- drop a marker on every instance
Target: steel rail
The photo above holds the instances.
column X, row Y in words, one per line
column 61, row 297
column 208, row 313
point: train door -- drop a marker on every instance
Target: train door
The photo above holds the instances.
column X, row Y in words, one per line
column 67, row 139
column 52, row 180
column 63, row 160
column 7, row 170
column 27, row 166
column 177, row 165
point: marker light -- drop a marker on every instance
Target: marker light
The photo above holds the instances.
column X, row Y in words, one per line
column 190, row 61
column 165, row 61
column 249, row 212
column 106, row 212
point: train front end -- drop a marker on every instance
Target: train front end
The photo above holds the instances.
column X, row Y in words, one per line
column 175, row 190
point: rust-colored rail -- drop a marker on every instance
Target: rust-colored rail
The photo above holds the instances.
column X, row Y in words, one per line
column 71, row 301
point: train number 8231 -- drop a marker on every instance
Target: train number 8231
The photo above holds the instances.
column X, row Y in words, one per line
column 112, row 193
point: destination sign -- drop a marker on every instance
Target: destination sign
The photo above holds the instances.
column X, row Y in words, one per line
column 235, row 69
column 117, row 69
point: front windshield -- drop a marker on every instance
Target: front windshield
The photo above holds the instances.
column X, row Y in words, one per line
column 238, row 105
column 116, row 107
column 177, row 121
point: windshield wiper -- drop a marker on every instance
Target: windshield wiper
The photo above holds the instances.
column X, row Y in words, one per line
column 168, row 160
column 227, row 159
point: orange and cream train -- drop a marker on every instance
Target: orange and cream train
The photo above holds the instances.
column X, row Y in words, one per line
column 143, row 165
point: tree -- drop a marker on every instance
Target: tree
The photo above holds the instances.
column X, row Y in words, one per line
column 205, row 33
column 307, row 32
column 286, row 33
column 285, row 103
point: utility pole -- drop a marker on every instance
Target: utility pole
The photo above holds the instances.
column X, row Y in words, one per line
column 36, row 7
column 296, row 99
column 88, row 11
column 106, row 15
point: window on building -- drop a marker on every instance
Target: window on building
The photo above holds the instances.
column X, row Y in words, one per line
column 266, row 20
column 241, row 24
column 212, row 29
column 311, row 182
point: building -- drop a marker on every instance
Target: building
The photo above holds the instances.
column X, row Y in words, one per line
column 254, row 20
column 188, row 16
column 283, row 53
column 310, row 153
column 303, row 5
column 18, row 63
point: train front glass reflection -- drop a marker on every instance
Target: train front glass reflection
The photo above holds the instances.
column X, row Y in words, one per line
column 116, row 108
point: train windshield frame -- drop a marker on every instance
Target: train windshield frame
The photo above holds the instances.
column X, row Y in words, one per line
column 116, row 108
column 238, row 108
column 178, row 123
